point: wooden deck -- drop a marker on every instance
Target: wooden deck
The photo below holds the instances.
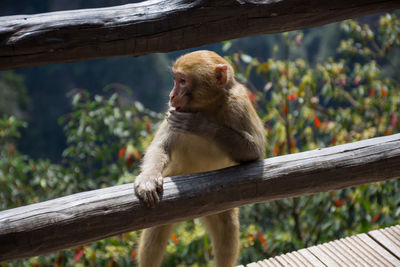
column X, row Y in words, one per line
column 377, row 248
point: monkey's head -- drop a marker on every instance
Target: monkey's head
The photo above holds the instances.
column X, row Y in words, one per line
column 200, row 79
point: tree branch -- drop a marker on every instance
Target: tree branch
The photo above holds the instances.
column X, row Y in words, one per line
column 161, row 26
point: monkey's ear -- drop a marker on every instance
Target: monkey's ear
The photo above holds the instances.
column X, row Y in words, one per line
column 221, row 74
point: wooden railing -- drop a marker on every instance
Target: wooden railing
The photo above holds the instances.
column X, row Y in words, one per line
column 161, row 26
column 88, row 216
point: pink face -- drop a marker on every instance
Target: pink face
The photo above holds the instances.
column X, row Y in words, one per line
column 179, row 96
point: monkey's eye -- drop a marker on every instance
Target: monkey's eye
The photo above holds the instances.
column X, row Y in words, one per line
column 182, row 81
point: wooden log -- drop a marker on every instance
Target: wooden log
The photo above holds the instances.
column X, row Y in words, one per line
column 161, row 26
column 85, row 217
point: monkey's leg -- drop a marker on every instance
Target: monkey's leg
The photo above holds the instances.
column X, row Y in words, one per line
column 152, row 245
column 224, row 232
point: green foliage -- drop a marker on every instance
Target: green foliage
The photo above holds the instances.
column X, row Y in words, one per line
column 106, row 139
column 339, row 100
column 23, row 180
column 13, row 96
column 306, row 107
column 98, row 131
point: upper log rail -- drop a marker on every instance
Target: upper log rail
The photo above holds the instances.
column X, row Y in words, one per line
column 84, row 217
column 161, row 26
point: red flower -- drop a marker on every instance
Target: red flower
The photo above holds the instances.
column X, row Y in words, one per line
column 317, row 122
column 291, row 97
column 148, row 127
column 252, row 97
column 376, row 217
column 121, row 152
column 133, row 254
column 262, row 240
column 339, row 203
column 174, row 238
column 285, row 110
column 78, row 254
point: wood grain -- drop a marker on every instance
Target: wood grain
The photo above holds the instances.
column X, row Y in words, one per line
column 88, row 216
column 356, row 250
column 161, row 26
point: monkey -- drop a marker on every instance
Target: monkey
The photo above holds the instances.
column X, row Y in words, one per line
column 211, row 124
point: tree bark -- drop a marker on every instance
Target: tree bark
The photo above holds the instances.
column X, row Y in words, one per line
column 85, row 217
column 161, row 26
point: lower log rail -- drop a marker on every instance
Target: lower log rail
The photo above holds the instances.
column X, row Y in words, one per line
column 376, row 248
column 89, row 216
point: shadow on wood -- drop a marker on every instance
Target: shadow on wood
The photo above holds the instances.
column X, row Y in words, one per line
column 84, row 217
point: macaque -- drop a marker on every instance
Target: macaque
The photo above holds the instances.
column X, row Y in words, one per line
column 211, row 124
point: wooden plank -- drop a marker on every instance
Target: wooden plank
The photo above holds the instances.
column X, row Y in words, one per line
column 353, row 253
column 301, row 258
column 265, row 263
column 161, row 26
column 282, row 260
column 385, row 239
column 340, row 256
column 270, row 263
column 368, row 247
column 357, row 250
column 396, row 229
column 85, row 217
column 393, row 235
column 363, row 250
column 387, row 258
column 322, row 256
column 332, row 254
column 295, row 260
column 314, row 261
column 257, row 264
column 274, row 262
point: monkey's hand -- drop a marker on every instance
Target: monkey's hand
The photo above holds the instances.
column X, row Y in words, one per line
column 188, row 122
column 147, row 188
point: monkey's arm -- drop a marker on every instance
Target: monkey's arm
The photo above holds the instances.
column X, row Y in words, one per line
column 149, row 182
column 241, row 145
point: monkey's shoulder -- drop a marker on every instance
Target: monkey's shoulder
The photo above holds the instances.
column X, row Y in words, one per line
column 191, row 153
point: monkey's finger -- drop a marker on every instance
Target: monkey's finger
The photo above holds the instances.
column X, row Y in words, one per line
column 152, row 199
column 176, row 121
column 180, row 129
column 182, row 115
column 177, row 117
column 160, row 182
column 149, row 199
column 143, row 196
column 176, row 124
column 155, row 198
column 174, row 118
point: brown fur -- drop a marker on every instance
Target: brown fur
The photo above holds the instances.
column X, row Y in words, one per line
column 218, row 128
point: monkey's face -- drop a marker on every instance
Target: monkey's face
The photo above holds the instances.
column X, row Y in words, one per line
column 180, row 95
column 200, row 79
column 192, row 93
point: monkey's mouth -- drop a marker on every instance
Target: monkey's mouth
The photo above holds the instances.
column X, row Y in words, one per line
column 182, row 109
